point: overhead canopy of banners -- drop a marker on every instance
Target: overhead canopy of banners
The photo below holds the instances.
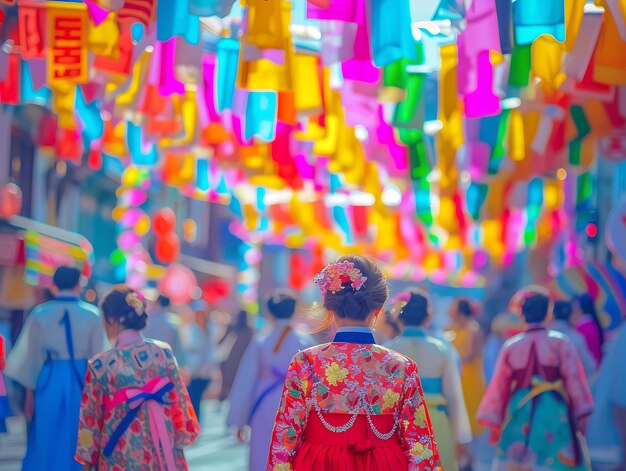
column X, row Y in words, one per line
column 444, row 136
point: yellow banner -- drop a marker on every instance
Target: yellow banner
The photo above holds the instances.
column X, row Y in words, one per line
column 67, row 42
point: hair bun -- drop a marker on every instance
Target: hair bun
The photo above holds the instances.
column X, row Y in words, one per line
column 354, row 305
column 359, row 293
column 125, row 306
column 415, row 311
column 282, row 304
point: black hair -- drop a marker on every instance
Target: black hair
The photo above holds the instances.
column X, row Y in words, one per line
column 163, row 301
column 391, row 322
column 66, row 278
column 282, row 304
column 415, row 311
column 535, row 307
column 562, row 310
column 48, row 295
column 125, row 306
column 464, row 307
column 588, row 306
column 241, row 320
column 349, row 303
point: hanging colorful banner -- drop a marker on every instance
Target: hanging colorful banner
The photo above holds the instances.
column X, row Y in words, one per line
column 32, row 29
column 67, row 43
column 142, row 11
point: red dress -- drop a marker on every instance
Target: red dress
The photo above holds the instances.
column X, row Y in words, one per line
column 352, row 405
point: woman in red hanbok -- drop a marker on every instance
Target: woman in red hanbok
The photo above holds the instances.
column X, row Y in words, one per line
column 351, row 404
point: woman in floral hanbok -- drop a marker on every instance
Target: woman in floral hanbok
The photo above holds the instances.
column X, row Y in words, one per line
column 135, row 411
column 351, row 404
column 538, row 401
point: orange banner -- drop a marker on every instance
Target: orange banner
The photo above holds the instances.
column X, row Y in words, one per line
column 67, row 42
column 32, row 28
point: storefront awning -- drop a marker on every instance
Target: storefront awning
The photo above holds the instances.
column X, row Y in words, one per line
column 41, row 249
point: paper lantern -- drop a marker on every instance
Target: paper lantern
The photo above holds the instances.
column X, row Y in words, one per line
column 10, row 200
column 190, row 230
column 127, row 240
column 318, row 263
column 131, row 217
column 134, row 197
column 130, row 177
column 164, row 221
column 142, row 227
column 298, row 273
column 167, row 248
column 178, row 283
column 215, row 291
column 480, row 260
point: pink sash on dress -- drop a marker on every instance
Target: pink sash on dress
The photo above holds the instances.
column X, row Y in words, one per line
column 152, row 395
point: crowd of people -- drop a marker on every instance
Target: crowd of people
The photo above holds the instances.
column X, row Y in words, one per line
column 121, row 387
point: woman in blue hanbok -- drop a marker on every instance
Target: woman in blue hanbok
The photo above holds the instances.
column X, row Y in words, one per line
column 50, row 361
column 607, row 425
column 439, row 372
column 255, row 395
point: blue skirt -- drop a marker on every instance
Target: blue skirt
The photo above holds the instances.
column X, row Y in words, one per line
column 5, row 411
column 53, row 432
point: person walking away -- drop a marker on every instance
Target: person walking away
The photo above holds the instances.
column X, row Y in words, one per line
column 162, row 327
column 504, row 326
column 561, row 313
column 466, row 337
column 351, row 404
column 607, row 425
column 239, row 334
column 5, row 409
column 585, row 319
column 255, row 395
column 50, row 360
column 200, row 353
column 437, row 364
column 386, row 327
column 135, row 411
column 538, row 402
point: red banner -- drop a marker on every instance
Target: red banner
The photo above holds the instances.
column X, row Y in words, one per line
column 67, row 42
column 123, row 62
column 142, row 11
column 11, row 250
column 32, row 28
column 10, row 86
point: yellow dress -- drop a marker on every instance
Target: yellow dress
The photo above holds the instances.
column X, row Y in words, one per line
column 472, row 375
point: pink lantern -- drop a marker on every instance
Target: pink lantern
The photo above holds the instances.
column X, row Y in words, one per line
column 179, row 284
column 127, row 240
column 10, row 200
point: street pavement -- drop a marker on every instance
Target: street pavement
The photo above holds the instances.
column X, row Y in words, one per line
column 216, row 450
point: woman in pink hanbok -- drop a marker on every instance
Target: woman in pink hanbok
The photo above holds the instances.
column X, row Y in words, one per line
column 538, row 401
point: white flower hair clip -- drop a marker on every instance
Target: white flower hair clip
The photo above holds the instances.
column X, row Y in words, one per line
column 134, row 301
